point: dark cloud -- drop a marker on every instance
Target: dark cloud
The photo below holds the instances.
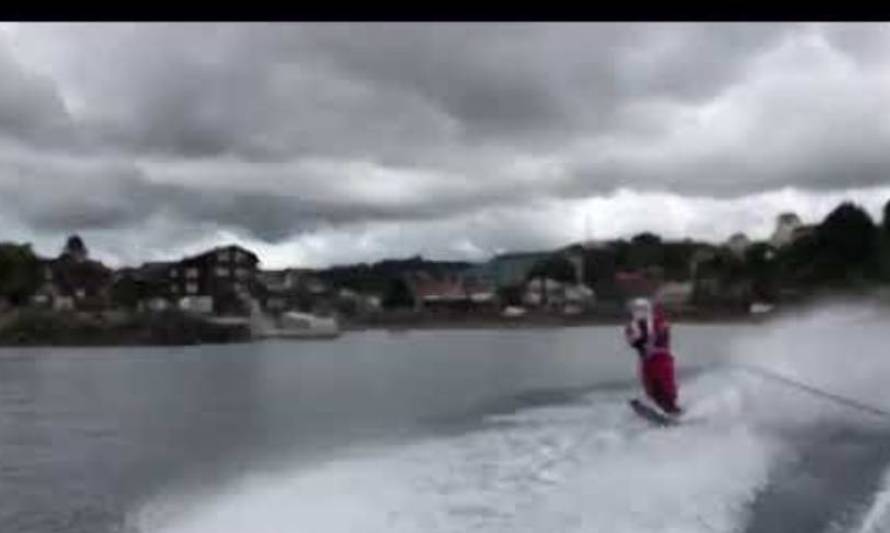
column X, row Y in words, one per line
column 63, row 195
column 864, row 43
column 30, row 107
column 347, row 90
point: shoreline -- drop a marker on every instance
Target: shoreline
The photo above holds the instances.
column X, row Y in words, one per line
column 61, row 330
column 30, row 328
column 537, row 322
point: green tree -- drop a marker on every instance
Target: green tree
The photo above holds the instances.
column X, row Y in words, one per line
column 646, row 239
column 886, row 220
column 510, row 295
column 646, row 250
column 848, row 244
column 228, row 302
column 347, row 307
column 722, row 280
column 126, row 292
column 20, row 272
column 797, row 262
column 761, row 266
column 843, row 250
column 677, row 260
column 600, row 266
column 75, row 248
column 398, row 295
column 885, row 243
column 554, row 267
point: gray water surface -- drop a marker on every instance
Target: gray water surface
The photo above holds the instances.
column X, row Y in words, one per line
column 87, row 435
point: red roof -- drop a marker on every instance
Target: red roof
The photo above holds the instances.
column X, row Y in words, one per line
column 635, row 283
column 628, row 276
column 439, row 290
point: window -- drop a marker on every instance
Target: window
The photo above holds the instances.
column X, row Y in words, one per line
column 241, row 273
column 223, row 255
column 191, row 288
column 222, row 272
column 80, row 293
column 174, row 272
column 191, row 273
column 240, row 256
column 174, row 289
column 238, row 287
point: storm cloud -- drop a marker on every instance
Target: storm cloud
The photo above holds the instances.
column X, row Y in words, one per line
column 319, row 142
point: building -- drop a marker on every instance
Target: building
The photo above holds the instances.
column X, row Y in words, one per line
column 510, row 270
column 803, row 231
column 278, row 280
column 290, row 289
column 577, row 256
column 675, row 295
column 738, row 243
column 580, row 295
column 786, row 224
column 463, row 291
column 354, row 303
column 438, row 293
column 70, row 285
column 479, row 283
column 224, row 278
column 143, row 288
column 73, row 281
column 552, row 295
column 700, row 257
column 277, row 289
column 636, row 284
column 544, row 293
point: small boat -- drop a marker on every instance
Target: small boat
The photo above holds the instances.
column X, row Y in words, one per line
column 296, row 325
column 512, row 311
column 760, row 308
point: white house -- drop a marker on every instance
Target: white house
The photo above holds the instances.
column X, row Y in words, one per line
column 579, row 294
column 538, row 291
column 674, row 294
column 738, row 243
column 786, row 224
column 566, row 296
column 197, row 304
column 155, row 304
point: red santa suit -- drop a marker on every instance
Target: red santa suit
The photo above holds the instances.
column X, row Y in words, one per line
column 649, row 334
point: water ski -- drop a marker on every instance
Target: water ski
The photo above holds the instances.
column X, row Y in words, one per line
column 651, row 413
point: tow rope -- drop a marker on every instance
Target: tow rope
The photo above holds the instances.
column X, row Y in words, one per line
column 815, row 391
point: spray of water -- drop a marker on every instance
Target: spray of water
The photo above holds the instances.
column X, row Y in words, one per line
column 589, row 466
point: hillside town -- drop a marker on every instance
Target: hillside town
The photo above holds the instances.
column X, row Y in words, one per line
column 226, row 287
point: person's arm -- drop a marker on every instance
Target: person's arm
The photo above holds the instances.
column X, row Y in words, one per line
column 662, row 334
column 631, row 333
column 636, row 336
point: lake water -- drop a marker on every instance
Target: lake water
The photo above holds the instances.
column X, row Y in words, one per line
column 451, row 431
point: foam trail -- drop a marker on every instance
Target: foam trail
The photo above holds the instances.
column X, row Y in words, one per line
column 877, row 518
column 586, row 467
column 589, row 466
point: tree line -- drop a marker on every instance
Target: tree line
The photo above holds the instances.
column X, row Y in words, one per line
column 846, row 250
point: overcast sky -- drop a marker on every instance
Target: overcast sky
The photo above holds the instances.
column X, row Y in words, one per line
column 329, row 143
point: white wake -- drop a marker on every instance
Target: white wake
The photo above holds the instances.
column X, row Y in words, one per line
column 591, row 466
